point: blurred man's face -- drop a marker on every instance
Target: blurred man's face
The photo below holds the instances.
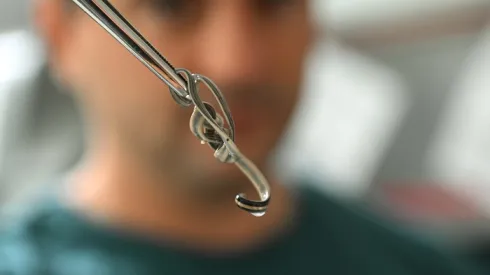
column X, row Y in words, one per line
column 253, row 50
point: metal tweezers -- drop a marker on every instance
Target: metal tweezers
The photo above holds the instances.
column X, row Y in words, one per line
column 183, row 87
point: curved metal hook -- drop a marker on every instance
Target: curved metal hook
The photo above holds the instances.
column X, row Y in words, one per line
column 227, row 151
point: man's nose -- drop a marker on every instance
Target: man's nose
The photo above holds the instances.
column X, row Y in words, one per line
column 230, row 47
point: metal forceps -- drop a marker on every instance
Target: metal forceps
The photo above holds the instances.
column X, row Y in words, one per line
column 205, row 123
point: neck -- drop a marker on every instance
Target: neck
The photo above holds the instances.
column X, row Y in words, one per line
column 124, row 193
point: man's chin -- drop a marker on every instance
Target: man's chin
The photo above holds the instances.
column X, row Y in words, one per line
column 205, row 167
column 222, row 172
column 216, row 187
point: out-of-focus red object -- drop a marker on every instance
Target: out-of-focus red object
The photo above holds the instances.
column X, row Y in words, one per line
column 429, row 202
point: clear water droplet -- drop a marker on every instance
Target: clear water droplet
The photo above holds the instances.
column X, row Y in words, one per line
column 258, row 214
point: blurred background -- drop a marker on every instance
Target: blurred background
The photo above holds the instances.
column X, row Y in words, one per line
column 395, row 114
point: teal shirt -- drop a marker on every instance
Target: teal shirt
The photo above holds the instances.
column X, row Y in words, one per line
column 329, row 238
